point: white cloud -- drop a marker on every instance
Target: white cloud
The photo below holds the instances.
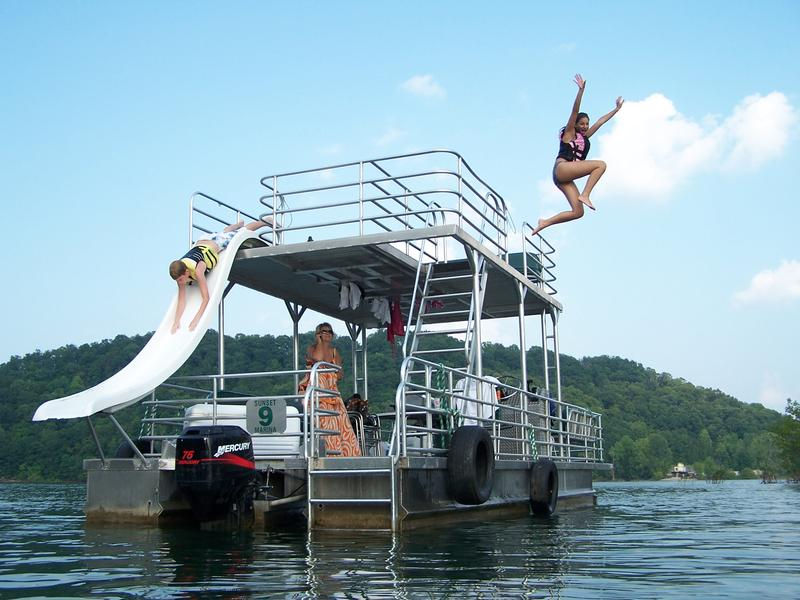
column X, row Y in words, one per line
column 423, row 85
column 390, row 136
column 652, row 148
column 772, row 286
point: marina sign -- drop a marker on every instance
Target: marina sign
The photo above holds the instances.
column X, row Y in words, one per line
column 266, row 415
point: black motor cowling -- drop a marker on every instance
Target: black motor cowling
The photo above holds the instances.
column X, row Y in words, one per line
column 215, row 469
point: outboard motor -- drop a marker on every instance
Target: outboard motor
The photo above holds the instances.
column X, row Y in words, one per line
column 215, row 469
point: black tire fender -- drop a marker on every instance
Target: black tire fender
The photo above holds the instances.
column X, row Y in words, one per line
column 125, row 451
column 470, row 465
column 544, row 487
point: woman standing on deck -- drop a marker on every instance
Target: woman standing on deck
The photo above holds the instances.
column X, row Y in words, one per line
column 571, row 163
column 322, row 350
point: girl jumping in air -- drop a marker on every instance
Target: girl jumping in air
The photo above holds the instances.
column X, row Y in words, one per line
column 571, row 163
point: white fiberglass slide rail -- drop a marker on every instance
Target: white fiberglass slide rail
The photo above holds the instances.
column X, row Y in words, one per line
column 162, row 355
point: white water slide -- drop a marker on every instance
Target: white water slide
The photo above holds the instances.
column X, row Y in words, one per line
column 161, row 357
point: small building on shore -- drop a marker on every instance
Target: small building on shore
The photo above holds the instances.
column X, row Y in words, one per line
column 681, row 471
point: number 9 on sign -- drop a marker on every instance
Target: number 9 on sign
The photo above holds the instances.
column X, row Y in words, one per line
column 265, row 416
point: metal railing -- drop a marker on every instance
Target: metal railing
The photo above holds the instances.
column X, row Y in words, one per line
column 538, row 264
column 165, row 418
column 208, row 215
column 393, row 193
column 525, row 426
column 362, row 197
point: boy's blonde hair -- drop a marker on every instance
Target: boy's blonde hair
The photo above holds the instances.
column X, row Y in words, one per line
column 177, row 268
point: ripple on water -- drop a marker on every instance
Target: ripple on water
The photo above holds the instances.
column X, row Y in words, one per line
column 643, row 540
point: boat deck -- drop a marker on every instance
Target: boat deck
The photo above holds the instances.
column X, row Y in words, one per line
column 309, row 274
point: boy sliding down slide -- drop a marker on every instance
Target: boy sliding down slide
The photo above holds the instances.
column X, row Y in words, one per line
column 198, row 261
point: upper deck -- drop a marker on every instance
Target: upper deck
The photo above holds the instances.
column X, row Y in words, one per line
column 376, row 223
column 309, row 274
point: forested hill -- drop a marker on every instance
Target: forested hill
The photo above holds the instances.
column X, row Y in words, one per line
column 651, row 420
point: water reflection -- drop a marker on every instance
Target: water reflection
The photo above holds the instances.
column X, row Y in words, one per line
column 501, row 558
column 642, row 540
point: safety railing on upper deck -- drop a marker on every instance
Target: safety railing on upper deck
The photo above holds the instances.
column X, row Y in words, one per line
column 538, row 259
column 393, row 193
column 433, row 400
column 208, row 215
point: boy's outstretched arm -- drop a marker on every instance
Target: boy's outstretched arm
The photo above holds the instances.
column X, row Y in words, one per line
column 176, row 324
column 200, row 276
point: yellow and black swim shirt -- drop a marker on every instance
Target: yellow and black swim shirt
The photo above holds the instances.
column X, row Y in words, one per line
column 198, row 254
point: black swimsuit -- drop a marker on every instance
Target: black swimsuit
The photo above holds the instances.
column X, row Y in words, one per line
column 577, row 149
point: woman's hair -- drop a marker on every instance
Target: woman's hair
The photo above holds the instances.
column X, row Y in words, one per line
column 322, row 326
column 580, row 116
column 177, row 268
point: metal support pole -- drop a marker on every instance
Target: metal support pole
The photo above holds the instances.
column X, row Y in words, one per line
column 365, row 390
column 522, row 291
column 295, row 312
column 554, row 316
column 354, row 330
column 127, row 438
column 476, row 337
column 545, row 361
column 96, row 440
column 221, row 335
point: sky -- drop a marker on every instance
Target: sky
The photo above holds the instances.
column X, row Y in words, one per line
column 113, row 113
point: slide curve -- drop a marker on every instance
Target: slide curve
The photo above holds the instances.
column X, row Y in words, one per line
column 162, row 355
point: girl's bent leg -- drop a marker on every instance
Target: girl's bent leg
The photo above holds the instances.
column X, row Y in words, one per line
column 594, row 177
column 570, row 190
column 570, row 171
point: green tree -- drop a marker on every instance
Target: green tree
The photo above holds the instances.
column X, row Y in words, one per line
column 627, row 458
column 788, row 438
column 704, row 445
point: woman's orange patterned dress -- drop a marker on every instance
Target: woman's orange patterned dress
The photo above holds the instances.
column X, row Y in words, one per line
column 346, row 443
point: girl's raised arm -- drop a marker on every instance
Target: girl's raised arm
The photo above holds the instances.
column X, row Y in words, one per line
column 569, row 130
column 602, row 120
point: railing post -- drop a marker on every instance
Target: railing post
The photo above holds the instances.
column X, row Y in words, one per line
column 191, row 219
column 361, row 198
column 214, row 401
column 522, row 290
column 221, row 341
column 460, row 196
column 312, row 412
column 274, row 203
column 428, row 415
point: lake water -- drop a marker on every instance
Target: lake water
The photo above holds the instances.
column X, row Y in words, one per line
column 738, row 539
